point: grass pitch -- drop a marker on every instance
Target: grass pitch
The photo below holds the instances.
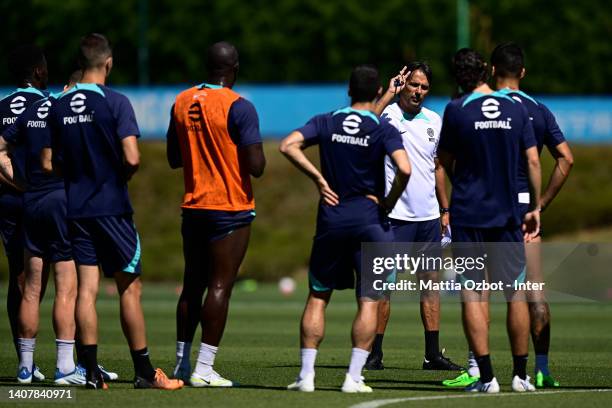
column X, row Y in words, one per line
column 260, row 350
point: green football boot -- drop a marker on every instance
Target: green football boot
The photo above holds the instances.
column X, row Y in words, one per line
column 545, row 381
column 463, row 380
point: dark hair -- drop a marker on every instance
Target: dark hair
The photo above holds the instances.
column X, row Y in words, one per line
column 75, row 77
column 23, row 60
column 93, row 51
column 508, row 60
column 364, row 83
column 469, row 69
column 421, row 66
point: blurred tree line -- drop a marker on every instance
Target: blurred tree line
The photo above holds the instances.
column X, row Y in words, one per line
column 568, row 43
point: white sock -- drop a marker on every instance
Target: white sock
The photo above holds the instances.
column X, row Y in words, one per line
column 183, row 352
column 473, row 369
column 206, row 359
column 308, row 356
column 358, row 360
column 65, row 356
column 26, row 352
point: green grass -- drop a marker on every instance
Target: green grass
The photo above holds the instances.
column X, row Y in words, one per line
column 286, row 209
column 260, row 350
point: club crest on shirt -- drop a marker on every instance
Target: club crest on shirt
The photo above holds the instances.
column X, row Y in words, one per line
column 430, row 133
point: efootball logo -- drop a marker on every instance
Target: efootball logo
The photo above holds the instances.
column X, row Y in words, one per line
column 18, row 105
column 351, row 124
column 43, row 110
column 77, row 103
column 195, row 112
column 490, row 108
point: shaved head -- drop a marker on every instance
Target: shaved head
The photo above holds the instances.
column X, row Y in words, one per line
column 221, row 59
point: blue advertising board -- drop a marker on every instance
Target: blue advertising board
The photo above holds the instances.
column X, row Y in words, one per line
column 282, row 108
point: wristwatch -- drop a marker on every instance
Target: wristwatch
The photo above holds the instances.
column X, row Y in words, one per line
column 444, row 210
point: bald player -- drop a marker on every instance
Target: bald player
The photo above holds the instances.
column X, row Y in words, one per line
column 214, row 136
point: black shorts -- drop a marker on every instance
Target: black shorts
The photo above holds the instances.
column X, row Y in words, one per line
column 336, row 260
column 110, row 241
column 46, row 227
column 502, row 248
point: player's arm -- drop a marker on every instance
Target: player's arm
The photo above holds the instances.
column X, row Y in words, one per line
column 173, row 151
column 447, row 161
column 396, row 84
column 6, row 167
column 243, row 124
column 131, row 155
column 441, row 194
column 292, row 147
column 402, row 163
column 46, row 160
column 531, row 223
column 253, row 156
column 7, row 175
column 564, row 160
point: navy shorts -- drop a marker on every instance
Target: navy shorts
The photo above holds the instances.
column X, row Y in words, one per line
column 335, row 260
column 504, row 249
column 212, row 225
column 11, row 229
column 425, row 235
column 46, row 227
column 110, row 241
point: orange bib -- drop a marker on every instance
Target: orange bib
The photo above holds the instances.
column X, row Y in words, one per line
column 213, row 177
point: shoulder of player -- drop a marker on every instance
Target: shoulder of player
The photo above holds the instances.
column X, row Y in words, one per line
column 110, row 93
column 243, row 104
column 28, row 93
column 387, row 128
column 432, row 116
column 392, row 111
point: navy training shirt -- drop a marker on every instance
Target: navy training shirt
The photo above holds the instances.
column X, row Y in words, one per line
column 352, row 148
column 12, row 107
column 88, row 123
column 31, row 133
column 545, row 129
column 486, row 134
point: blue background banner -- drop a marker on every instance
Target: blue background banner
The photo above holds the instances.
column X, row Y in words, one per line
column 282, row 108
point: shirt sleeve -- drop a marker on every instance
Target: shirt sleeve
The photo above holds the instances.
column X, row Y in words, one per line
column 173, row 151
column 392, row 140
column 12, row 134
column 126, row 119
column 528, row 136
column 311, row 130
column 243, row 123
column 553, row 136
column 448, row 133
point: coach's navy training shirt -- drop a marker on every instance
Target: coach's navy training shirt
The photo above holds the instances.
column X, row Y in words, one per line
column 486, row 134
column 31, row 133
column 352, row 147
column 12, row 107
column 545, row 129
column 88, row 123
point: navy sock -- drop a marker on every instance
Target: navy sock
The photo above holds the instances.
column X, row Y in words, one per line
column 486, row 370
column 541, row 364
column 519, row 366
column 432, row 344
column 90, row 357
column 142, row 364
column 378, row 342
